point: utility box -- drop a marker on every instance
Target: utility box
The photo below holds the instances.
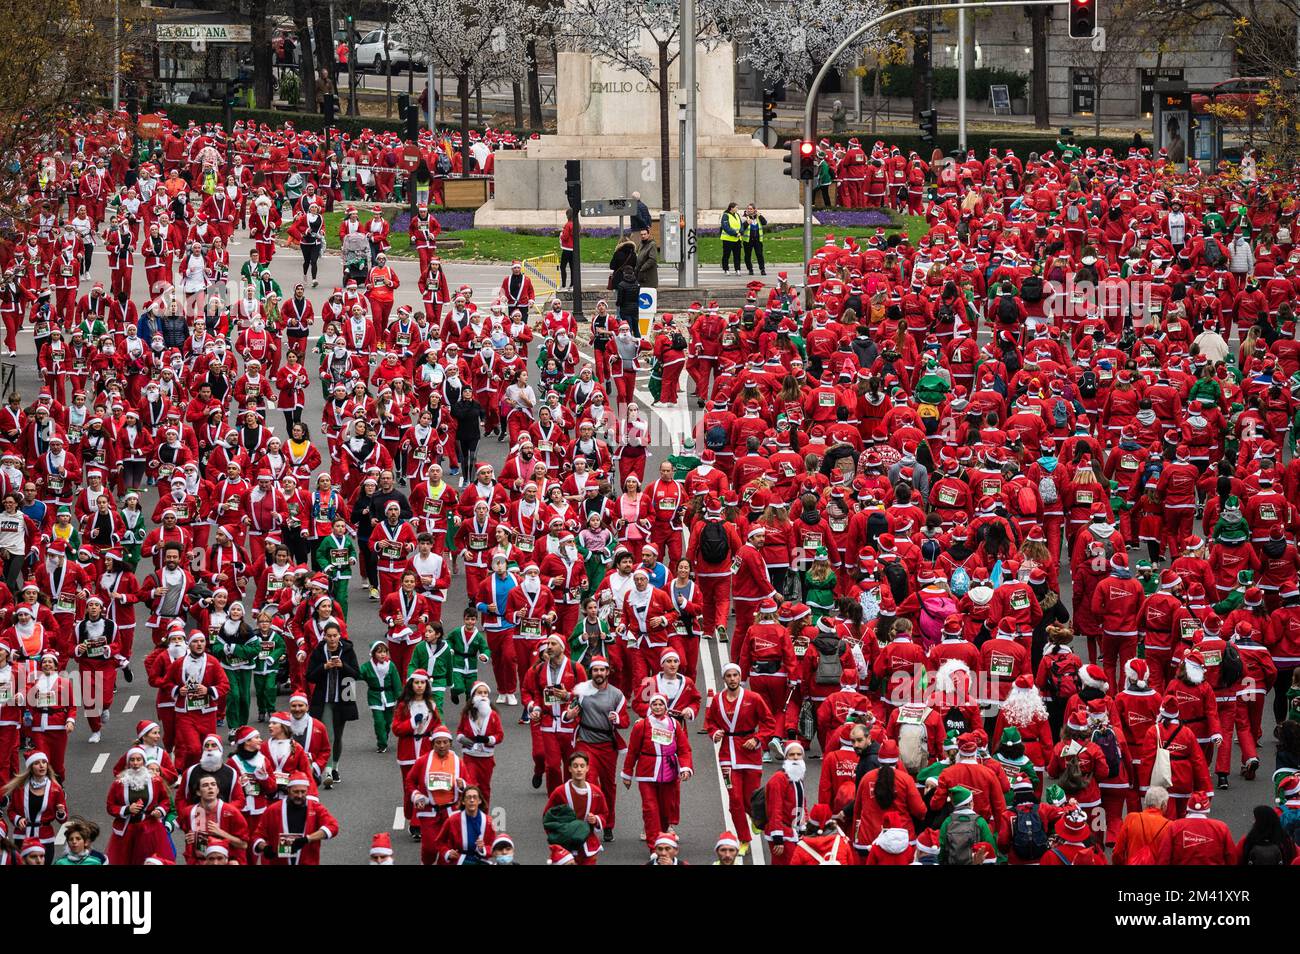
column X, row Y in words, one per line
column 670, row 245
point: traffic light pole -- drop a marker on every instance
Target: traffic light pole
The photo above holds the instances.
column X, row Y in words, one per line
column 809, row 104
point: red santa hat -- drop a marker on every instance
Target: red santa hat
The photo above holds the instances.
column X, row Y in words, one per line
column 888, row 754
column 299, row 779
column 381, row 844
column 280, row 718
column 1073, row 827
column 144, row 727
column 559, row 856
column 1198, row 803
column 1169, row 709
column 299, row 697
column 727, row 839
column 244, row 734
column 1093, row 676
column 1137, row 671
column 666, row 839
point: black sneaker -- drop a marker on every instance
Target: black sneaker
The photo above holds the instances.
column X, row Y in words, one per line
column 1223, row 779
column 415, row 833
column 381, row 748
column 537, row 779
column 334, row 775
column 609, row 835
column 128, row 675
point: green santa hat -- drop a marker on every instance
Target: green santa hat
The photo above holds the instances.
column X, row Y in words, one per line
column 1011, row 736
column 961, row 797
column 1055, row 795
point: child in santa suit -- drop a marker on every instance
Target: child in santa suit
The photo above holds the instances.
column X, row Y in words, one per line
column 479, row 733
column 1073, row 837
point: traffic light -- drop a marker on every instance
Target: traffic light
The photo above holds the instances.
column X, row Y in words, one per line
column 769, row 108
column 410, row 115
column 1083, row 19
column 929, row 126
column 228, row 105
column 573, row 183
column 329, row 108
column 807, row 152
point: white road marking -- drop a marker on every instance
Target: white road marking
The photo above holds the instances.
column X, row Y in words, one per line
column 100, row 761
column 399, row 819
column 58, row 836
column 129, row 705
column 756, row 856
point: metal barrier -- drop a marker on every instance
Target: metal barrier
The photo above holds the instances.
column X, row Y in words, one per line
column 8, row 377
column 545, row 271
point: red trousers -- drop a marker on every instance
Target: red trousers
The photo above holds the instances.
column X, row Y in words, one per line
column 1250, row 713
column 401, row 653
column 557, row 747
column 773, row 690
column 477, row 770
column 746, row 609
column 744, row 784
column 525, row 650
column 1112, row 806
column 701, row 369
column 389, row 581
column 660, row 807
column 715, row 593
column 191, row 727
column 1227, row 723
column 672, row 379
column 501, row 646
column 9, row 743
column 604, row 767
column 1115, row 652
column 1158, row 665
column 668, row 541
column 55, row 745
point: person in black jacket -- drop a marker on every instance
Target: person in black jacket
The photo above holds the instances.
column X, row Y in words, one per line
column 629, row 299
column 364, row 517
column 333, row 673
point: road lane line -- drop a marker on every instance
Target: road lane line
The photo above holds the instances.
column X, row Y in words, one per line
column 129, row 705
column 399, row 819
column 100, row 761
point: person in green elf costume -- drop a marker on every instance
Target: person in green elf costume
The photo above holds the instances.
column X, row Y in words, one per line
column 933, row 384
column 1231, row 528
column 337, row 554
column 236, row 646
column 1213, row 218
column 135, row 525
column 949, row 757
column 469, row 647
column 271, row 650
column 591, row 634
column 686, row 460
column 433, row 654
column 383, row 686
column 1237, row 595
column 65, row 529
column 963, row 815
column 819, row 585
column 1011, row 756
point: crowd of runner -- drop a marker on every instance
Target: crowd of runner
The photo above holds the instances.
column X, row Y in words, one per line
column 998, row 525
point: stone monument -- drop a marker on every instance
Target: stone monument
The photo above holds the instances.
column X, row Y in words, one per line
column 609, row 118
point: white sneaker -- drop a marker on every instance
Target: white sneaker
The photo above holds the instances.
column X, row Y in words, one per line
column 501, row 699
column 104, row 718
column 512, row 699
column 94, row 737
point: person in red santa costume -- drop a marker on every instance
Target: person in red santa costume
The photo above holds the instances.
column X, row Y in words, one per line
column 198, row 687
column 479, row 733
column 436, row 784
column 137, row 802
column 1196, row 839
column 210, row 819
column 738, row 720
column 787, row 805
column 292, row 832
column 1186, row 767
column 587, row 802
column 658, row 759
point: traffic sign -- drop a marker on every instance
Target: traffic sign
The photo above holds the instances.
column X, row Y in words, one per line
column 411, row 158
column 596, row 207
column 150, row 126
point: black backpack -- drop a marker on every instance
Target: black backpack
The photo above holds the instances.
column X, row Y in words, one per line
column 758, row 806
column 1231, row 668
column 715, row 546
column 1213, row 253
column 1008, row 312
column 896, row 577
column 678, row 341
column 1011, row 360
column 1088, row 383
column 1032, row 289
column 1028, row 834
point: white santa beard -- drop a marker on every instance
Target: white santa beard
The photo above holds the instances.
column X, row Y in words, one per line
column 136, row 778
column 280, row 748
column 1023, row 707
column 210, row 761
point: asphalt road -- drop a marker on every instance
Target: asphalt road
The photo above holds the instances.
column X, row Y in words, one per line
column 368, row 799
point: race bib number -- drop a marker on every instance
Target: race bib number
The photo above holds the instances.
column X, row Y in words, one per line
column 390, row 551
column 65, row 604
column 667, row 505
column 1084, row 497
column 195, row 703
column 284, row 847
column 6, row 692
column 948, row 496
column 1212, row 656
column 438, row 782
column 990, row 487
column 274, row 586
column 911, row 715
column 531, row 627
column 526, row 543
column 97, row 648
column 1188, row 628
column 433, row 507
column 1001, row 665
column 281, row 779
column 419, row 453
column 661, row 736
column 340, row 557
column 1267, row 512
column 478, row 541
column 1020, row 600
column 825, row 400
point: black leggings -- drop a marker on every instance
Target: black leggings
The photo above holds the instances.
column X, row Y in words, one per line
column 566, row 265
column 368, row 563
column 467, row 455
column 310, row 259
column 291, row 418
column 752, row 249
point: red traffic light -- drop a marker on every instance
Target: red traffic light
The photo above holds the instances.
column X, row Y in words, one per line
column 806, row 147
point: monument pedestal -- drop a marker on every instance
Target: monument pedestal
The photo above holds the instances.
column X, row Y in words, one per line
column 609, row 119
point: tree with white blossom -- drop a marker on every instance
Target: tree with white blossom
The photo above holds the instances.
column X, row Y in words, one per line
column 476, row 42
column 612, row 31
column 787, row 41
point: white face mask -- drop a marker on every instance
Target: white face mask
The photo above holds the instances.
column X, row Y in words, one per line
column 794, row 769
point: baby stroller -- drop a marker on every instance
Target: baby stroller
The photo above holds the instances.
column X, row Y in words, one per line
column 356, row 257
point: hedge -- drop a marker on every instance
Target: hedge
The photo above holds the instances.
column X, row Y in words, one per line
column 896, row 80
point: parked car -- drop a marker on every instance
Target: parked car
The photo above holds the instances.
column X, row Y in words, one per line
column 370, row 52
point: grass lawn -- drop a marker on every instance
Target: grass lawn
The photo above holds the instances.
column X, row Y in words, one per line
column 781, row 244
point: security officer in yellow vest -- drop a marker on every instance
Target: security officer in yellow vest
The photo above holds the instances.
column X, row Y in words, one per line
column 732, row 230
column 752, row 226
